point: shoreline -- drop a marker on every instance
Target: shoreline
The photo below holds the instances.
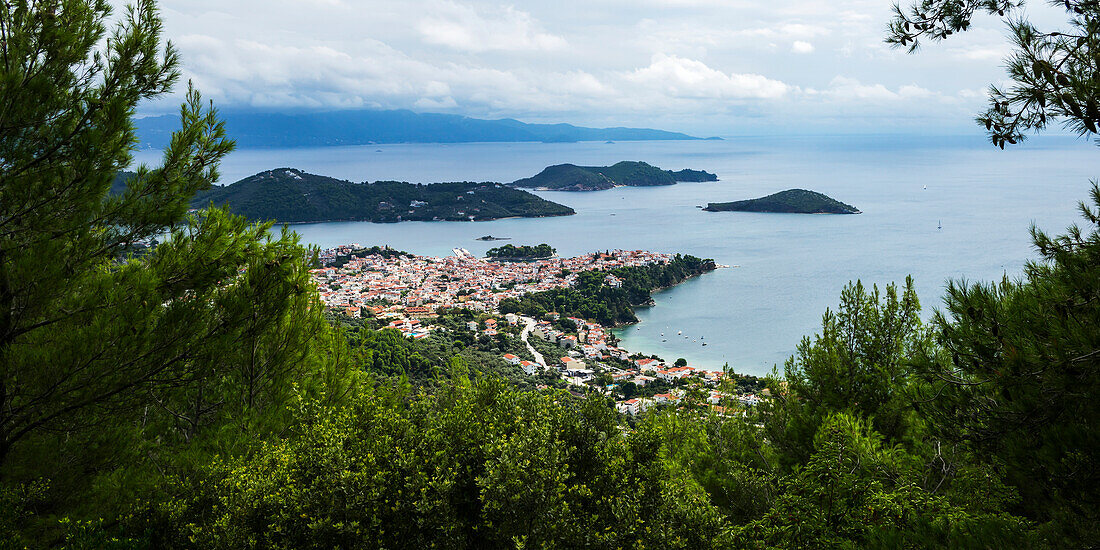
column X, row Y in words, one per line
column 463, row 220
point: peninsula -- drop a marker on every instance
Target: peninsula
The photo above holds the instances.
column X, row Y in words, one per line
column 791, row 201
column 570, row 177
column 293, row 196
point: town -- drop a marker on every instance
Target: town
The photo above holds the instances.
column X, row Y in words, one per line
column 408, row 293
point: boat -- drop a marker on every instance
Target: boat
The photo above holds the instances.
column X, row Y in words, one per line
column 939, row 225
column 679, row 332
column 704, row 343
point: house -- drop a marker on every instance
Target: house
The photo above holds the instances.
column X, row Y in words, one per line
column 511, row 318
column 568, row 363
column 511, row 358
column 529, row 367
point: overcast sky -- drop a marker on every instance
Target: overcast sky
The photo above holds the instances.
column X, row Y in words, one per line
column 715, row 67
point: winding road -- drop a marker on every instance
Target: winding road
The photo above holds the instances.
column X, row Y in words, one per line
column 529, row 324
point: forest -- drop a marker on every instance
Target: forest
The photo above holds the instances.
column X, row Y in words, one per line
column 196, row 396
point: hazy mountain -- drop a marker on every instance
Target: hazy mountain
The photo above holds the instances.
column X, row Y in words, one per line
column 260, row 129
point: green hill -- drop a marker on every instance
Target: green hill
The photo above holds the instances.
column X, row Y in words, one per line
column 791, row 201
column 293, row 196
column 570, row 177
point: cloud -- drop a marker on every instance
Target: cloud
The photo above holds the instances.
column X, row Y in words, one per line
column 802, row 47
column 687, row 78
column 463, row 28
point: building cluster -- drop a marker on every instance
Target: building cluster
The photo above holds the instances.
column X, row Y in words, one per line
column 454, row 281
column 407, row 291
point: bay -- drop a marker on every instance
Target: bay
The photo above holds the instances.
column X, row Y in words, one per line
column 791, row 267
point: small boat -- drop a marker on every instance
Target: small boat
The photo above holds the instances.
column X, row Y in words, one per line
column 939, row 225
column 925, row 187
column 663, row 340
column 679, row 332
column 704, row 343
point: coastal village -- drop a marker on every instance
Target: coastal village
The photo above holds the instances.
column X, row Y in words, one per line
column 407, row 293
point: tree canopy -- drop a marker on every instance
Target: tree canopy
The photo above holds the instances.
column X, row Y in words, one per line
column 1054, row 73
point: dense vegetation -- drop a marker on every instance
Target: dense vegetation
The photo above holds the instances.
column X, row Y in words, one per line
column 292, row 196
column 195, row 396
column 570, row 177
column 525, row 252
column 791, row 201
column 592, row 297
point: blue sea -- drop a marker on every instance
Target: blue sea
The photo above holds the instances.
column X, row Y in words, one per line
column 790, row 268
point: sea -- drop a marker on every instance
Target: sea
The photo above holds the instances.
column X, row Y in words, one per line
column 937, row 208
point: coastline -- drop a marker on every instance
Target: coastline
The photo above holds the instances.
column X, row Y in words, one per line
column 277, row 222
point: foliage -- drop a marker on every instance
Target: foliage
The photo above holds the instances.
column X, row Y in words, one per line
column 476, row 466
column 1018, row 377
column 1054, row 73
column 509, row 251
column 114, row 365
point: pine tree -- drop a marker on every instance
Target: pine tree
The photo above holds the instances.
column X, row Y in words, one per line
column 96, row 329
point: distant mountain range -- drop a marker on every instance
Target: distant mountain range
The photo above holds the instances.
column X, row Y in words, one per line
column 570, row 177
column 276, row 130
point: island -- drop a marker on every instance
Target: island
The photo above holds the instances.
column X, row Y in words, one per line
column 289, row 195
column 510, row 253
column 492, row 238
column 570, row 177
column 791, row 201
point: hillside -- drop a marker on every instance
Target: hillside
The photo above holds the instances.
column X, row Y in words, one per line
column 791, row 201
column 570, row 177
column 292, row 196
column 275, row 130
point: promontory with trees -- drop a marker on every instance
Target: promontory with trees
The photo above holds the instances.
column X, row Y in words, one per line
column 292, row 196
column 570, row 177
column 197, row 397
column 610, row 297
column 791, row 201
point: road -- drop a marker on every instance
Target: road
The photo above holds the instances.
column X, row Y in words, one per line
column 529, row 324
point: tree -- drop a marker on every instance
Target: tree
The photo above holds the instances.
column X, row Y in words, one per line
column 1017, row 379
column 858, row 364
column 1054, row 73
column 211, row 326
column 1019, row 375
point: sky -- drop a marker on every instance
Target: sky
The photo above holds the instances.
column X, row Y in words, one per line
column 706, row 67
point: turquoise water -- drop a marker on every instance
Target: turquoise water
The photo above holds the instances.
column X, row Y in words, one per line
column 791, row 267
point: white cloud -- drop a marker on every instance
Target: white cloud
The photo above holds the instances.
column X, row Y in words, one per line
column 464, row 28
column 687, row 78
column 678, row 63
